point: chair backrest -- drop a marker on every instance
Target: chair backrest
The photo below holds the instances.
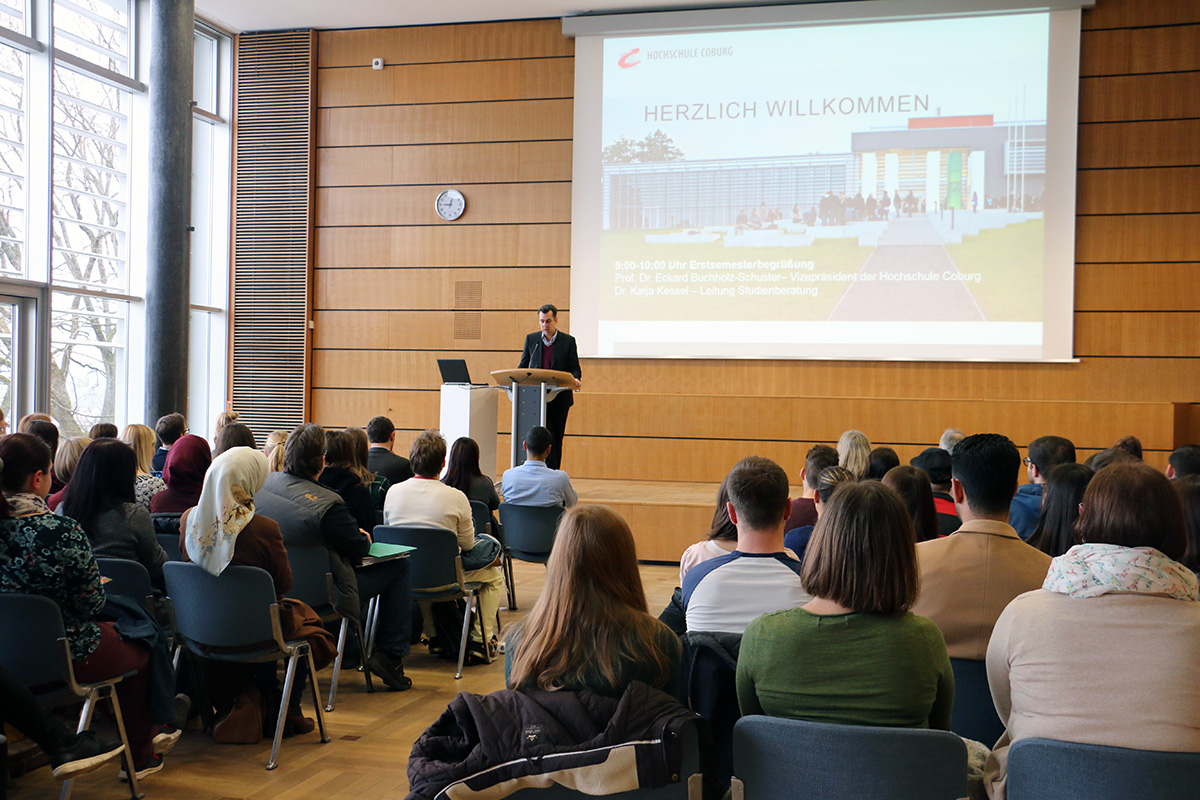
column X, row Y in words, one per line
column 309, row 567
column 1047, row 769
column 170, row 545
column 166, row 530
column 975, row 714
column 776, row 757
column 126, row 577
column 435, row 563
column 709, row 666
column 529, row 530
column 481, row 515
column 227, row 610
column 30, row 627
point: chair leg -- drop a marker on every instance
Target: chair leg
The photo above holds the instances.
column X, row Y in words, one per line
column 288, row 680
column 316, row 693
column 337, row 662
column 510, row 584
column 372, row 622
column 362, row 649
column 462, row 644
column 135, row 791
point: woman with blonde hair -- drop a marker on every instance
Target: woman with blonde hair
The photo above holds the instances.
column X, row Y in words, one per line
column 854, row 453
column 143, row 442
column 274, row 451
column 590, row 628
column 64, row 466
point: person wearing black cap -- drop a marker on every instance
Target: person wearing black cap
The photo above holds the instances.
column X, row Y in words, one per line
column 935, row 462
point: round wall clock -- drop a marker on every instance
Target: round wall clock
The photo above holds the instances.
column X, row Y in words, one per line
column 450, row 204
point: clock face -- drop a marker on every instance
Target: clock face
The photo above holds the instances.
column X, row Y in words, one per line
column 450, row 204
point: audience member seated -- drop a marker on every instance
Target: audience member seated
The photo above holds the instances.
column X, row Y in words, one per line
column 534, row 483
column 273, row 450
column 935, row 463
column 1107, row 651
column 64, row 466
column 187, row 461
column 141, row 439
column 854, row 654
column 1045, row 453
column 29, row 419
column 950, row 438
column 725, row 593
column 464, row 474
column 101, row 499
column 1113, row 455
column 381, row 434
column 854, row 452
column 879, row 462
column 1062, row 494
column 48, row 432
column 913, row 487
column 168, row 429
column 3, row 424
column 1188, row 489
column 71, row 754
column 1184, row 461
column 312, row 515
column 235, row 434
column 46, row 554
column 590, row 628
column 377, row 485
column 223, row 529
column 341, row 476
column 721, row 539
column 1131, row 445
column 796, row 539
column 103, row 430
column 804, row 508
column 425, row 500
column 967, row 579
column 227, row 417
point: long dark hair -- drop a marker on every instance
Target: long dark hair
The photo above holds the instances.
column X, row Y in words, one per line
column 23, row 454
column 1188, row 489
column 103, row 479
column 913, row 487
column 723, row 528
column 1055, row 530
column 464, row 464
column 879, row 462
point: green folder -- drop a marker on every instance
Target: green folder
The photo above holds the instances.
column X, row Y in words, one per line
column 381, row 550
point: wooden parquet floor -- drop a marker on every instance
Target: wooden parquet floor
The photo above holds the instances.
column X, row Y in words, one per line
column 372, row 733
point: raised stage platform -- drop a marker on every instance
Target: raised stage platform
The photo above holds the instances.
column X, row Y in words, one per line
column 665, row 517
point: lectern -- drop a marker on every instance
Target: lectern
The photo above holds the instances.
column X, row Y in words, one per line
column 471, row 411
column 529, row 390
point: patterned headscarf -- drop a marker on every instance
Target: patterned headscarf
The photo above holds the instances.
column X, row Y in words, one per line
column 1090, row 570
column 226, row 506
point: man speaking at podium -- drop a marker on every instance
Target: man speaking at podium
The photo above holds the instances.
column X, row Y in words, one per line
column 550, row 348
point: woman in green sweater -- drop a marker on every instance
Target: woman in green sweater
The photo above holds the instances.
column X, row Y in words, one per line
column 854, row 654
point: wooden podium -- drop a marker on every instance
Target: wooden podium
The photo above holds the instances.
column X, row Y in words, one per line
column 529, row 390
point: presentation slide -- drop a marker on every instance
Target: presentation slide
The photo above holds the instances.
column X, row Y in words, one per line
column 867, row 190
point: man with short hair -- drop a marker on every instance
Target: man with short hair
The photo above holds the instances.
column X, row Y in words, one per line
column 1183, row 461
column 967, row 579
column 935, row 463
column 426, row 501
column 725, row 593
column 168, row 429
column 804, row 507
column 1045, row 453
column 535, row 483
column 381, row 435
column 311, row 515
column 550, row 348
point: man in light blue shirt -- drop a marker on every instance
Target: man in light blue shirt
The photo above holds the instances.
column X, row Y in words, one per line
column 533, row 483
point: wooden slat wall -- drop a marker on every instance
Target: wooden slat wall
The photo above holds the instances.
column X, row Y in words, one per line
column 487, row 108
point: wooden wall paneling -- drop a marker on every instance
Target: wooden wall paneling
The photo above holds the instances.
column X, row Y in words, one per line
column 1139, row 144
column 506, row 121
column 1134, row 97
column 339, row 408
column 1155, row 190
column 492, row 162
column 1138, row 334
column 1137, row 287
column 663, row 532
column 461, row 82
column 402, row 369
column 434, row 43
column 435, row 288
column 445, row 246
column 1134, row 13
column 349, row 330
column 1139, row 50
column 1136, row 238
column 431, row 330
column 1187, row 423
column 413, row 205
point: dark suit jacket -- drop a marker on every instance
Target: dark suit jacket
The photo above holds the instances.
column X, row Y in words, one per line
column 565, row 359
column 384, row 462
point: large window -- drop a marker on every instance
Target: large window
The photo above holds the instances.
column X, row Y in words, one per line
column 74, row 108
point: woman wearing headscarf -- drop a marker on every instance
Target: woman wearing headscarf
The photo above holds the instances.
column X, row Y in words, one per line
column 223, row 529
column 187, row 461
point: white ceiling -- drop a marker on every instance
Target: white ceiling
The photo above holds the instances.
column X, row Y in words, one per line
column 259, row 15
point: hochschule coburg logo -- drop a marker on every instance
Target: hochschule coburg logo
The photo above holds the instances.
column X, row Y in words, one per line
column 626, row 61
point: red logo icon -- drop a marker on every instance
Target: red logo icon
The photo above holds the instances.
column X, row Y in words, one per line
column 624, row 63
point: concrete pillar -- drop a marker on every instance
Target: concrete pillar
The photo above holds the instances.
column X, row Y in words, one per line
column 168, row 263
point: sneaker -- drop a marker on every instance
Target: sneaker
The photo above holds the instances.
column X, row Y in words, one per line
column 148, row 767
column 165, row 738
column 183, row 705
column 390, row 670
column 80, row 753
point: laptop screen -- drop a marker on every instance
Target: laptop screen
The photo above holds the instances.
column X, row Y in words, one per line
column 454, row 370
